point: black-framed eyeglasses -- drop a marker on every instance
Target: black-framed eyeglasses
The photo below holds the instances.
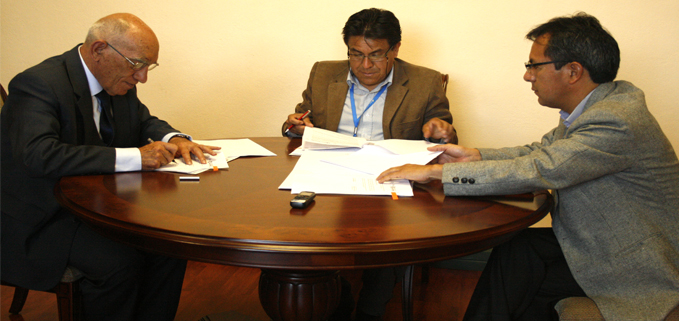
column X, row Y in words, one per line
column 530, row 66
column 372, row 57
column 137, row 64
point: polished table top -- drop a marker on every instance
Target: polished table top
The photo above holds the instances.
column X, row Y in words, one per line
column 239, row 217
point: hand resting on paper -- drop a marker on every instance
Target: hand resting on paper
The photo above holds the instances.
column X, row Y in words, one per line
column 425, row 173
column 185, row 148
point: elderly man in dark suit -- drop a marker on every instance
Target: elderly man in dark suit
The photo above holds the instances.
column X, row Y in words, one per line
column 77, row 114
column 615, row 180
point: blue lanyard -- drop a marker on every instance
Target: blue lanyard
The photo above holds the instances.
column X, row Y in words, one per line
column 353, row 106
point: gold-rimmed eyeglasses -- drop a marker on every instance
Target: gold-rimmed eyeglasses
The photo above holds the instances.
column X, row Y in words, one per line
column 137, row 64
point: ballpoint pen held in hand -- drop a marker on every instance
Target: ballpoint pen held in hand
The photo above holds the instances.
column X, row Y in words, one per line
column 303, row 116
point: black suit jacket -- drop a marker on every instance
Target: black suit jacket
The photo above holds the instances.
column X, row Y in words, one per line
column 48, row 132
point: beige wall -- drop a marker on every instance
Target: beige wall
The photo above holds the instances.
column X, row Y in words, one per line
column 238, row 68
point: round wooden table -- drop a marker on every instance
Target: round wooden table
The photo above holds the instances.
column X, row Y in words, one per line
column 240, row 217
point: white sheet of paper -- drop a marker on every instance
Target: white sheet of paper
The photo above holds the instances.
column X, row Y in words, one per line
column 312, row 174
column 374, row 160
column 234, row 148
column 403, row 146
column 231, row 149
column 179, row 166
column 319, row 138
column 310, row 164
column 350, row 184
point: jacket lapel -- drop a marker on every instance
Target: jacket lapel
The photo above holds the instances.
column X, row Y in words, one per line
column 395, row 95
column 337, row 95
column 87, row 130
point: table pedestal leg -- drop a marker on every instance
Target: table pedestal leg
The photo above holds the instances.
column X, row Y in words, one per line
column 299, row 295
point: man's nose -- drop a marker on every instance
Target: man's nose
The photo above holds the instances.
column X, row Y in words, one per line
column 528, row 76
column 142, row 75
column 367, row 63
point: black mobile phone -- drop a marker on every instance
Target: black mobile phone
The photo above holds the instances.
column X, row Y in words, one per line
column 303, row 199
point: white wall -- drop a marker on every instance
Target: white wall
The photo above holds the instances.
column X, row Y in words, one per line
column 238, row 68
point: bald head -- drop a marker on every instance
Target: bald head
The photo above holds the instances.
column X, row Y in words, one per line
column 123, row 27
column 112, row 43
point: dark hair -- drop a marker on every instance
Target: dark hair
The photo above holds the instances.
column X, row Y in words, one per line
column 373, row 24
column 582, row 39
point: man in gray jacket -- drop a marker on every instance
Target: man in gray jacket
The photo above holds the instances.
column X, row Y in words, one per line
column 615, row 178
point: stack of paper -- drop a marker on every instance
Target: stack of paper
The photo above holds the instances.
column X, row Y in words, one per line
column 351, row 166
column 231, row 149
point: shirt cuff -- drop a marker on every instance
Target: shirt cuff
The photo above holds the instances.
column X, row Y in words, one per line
column 128, row 160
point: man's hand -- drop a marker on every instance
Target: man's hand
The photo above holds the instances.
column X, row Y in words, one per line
column 436, row 128
column 425, row 173
column 419, row 173
column 298, row 125
column 186, row 147
column 156, row 154
column 455, row 153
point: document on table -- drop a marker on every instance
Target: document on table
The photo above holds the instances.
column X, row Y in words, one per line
column 373, row 160
column 231, row 149
column 310, row 164
column 352, row 184
column 319, row 138
column 312, row 174
column 215, row 162
column 323, row 139
column 352, row 171
column 234, row 148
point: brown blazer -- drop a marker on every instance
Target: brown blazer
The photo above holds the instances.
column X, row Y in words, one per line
column 415, row 96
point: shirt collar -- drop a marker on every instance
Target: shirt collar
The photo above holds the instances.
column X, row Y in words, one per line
column 351, row 79
column 568, row 119
column 95, row 87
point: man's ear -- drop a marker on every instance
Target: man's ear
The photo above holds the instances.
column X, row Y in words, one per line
column 396, row 48
column 576, row 72
column 97, row 48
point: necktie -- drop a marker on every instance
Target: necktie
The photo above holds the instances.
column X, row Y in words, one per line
column 105, row 118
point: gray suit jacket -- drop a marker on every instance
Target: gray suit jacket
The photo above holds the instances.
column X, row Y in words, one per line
column 48, row 132
column 415, row 96
column 616, row 179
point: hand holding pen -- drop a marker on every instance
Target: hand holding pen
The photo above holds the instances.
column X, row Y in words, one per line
column 156, row 154
column 298, row 121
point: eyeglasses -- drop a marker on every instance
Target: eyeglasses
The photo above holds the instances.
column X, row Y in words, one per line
column 372, row 57
column 530, row 66
column 137, row 64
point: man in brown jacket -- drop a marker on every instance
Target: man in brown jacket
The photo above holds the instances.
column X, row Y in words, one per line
column 376, row 96
column 373, row 94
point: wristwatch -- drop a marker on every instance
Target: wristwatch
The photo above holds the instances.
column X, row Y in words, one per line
column 180, row 135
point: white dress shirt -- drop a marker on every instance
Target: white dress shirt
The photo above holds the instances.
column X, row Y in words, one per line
column 370, row 124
